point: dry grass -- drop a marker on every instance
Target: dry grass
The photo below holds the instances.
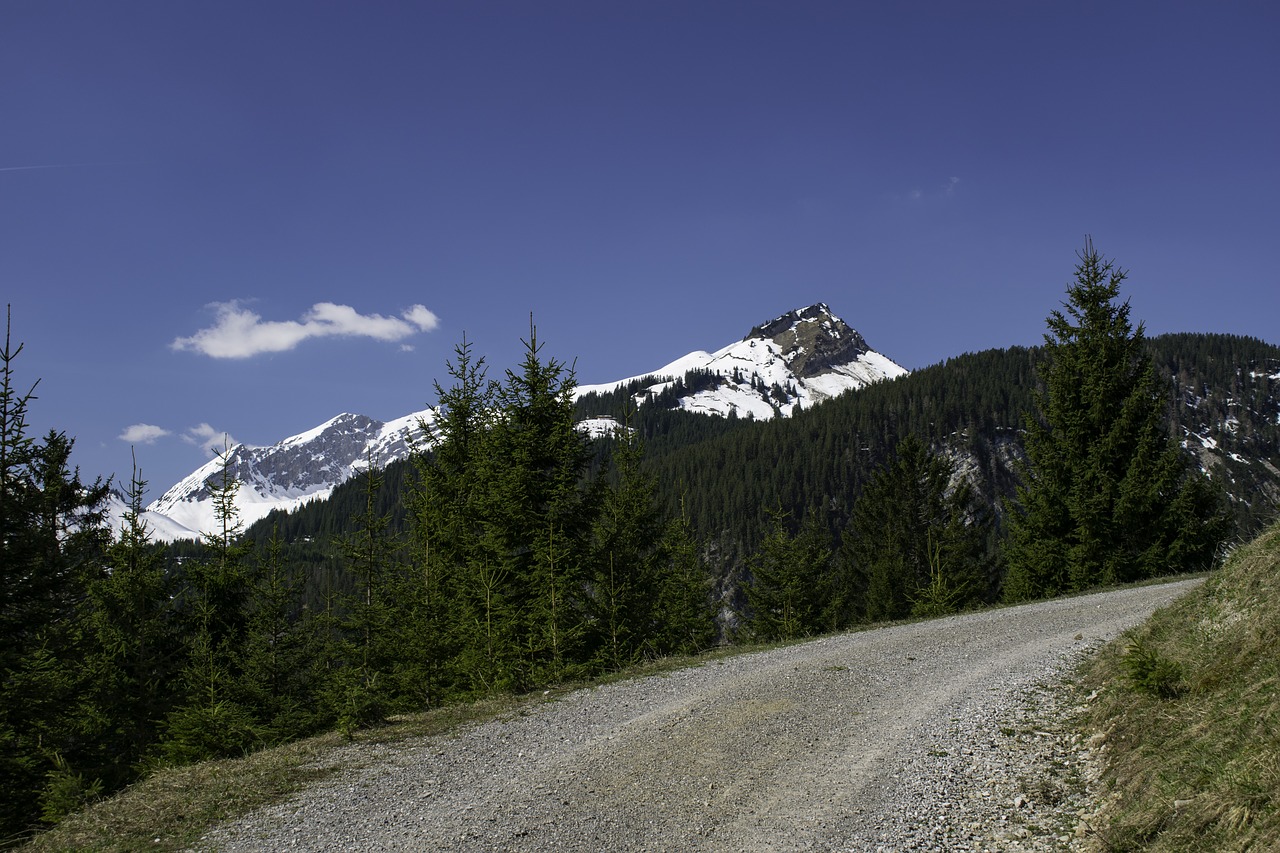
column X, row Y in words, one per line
column 173, row 808
column 1188, row 706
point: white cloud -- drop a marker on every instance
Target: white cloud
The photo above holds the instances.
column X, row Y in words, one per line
column 209, row 439
column 143, row 434
column 422, row 318
column 242, row 333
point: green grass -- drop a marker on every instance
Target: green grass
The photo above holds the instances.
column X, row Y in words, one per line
column 1188, row 707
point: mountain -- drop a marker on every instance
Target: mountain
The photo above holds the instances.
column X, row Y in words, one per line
column 1224, row 409
column 285, row 475
column 790, row 363
column 801, row 358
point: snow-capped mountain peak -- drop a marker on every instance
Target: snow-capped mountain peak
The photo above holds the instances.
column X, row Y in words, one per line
column 285, row 475
column 798, row 359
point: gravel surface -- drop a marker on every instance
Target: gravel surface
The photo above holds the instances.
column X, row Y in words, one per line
column 942, row 735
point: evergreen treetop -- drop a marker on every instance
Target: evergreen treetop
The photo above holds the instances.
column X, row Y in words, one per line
column 1106, row 495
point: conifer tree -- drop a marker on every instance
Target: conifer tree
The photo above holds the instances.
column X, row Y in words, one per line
column 625, row 583
column 283, row 657
column 51, row 538
column 537, row 515
column 685, row 618
column 1106, row 494
column 361, row 692
column 136, row 644
column 213, row 721
column 790, row 586
column 915, row 542
column 456, row 597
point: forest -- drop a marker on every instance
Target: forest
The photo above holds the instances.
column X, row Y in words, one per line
column 517, row 552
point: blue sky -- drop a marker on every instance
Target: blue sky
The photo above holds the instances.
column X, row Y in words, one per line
column 248, row 217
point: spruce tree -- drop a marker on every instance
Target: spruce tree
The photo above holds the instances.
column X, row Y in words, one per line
column 51, row 541
column 213, row 720
column 537, row 512
column 361, row 691
column 457, row 600
column 283, row 659
column 790, row 588
column 915, row 542
column 685, row 616
column 136, row 644
column 625, row 582
column 1106, row 494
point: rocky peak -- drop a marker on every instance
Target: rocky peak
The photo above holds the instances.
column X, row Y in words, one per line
column 812, row 340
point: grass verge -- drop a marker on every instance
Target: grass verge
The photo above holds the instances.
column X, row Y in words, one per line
column 1186, row 708
column 174, row 807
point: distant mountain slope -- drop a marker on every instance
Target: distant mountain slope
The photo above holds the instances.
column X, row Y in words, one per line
column 796, row 360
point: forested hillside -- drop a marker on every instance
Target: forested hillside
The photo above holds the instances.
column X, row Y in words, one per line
column 519, row 552
column 1224, row 405
column 731, row 477
column 727, row 473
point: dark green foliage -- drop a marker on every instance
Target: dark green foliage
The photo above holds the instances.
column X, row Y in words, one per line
column 538, row 516
column 137, row 642
column 214, row 605
column 1150, row 672
column 791, row 580
column 366, row 648
column 452, row 602
column 724, row 473
column 512, row 552
column 684, row 616
column 626, row 561
column 1107, row 495
column 502, row 520
column 50, row 542
column 916, row 543
column 66, row 791
column 286, row 651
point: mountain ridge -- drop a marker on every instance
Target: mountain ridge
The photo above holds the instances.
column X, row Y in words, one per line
column 798, row 359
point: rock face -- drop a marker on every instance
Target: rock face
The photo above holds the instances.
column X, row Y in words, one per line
column 813, row 341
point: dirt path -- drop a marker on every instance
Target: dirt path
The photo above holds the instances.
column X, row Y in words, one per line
column 826, row 745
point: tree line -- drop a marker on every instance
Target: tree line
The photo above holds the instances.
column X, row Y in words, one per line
column 512, row 552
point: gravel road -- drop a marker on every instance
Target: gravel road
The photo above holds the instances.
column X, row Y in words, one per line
column 942, row 735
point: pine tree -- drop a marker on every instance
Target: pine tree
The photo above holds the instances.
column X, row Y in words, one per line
column 1106, row 494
